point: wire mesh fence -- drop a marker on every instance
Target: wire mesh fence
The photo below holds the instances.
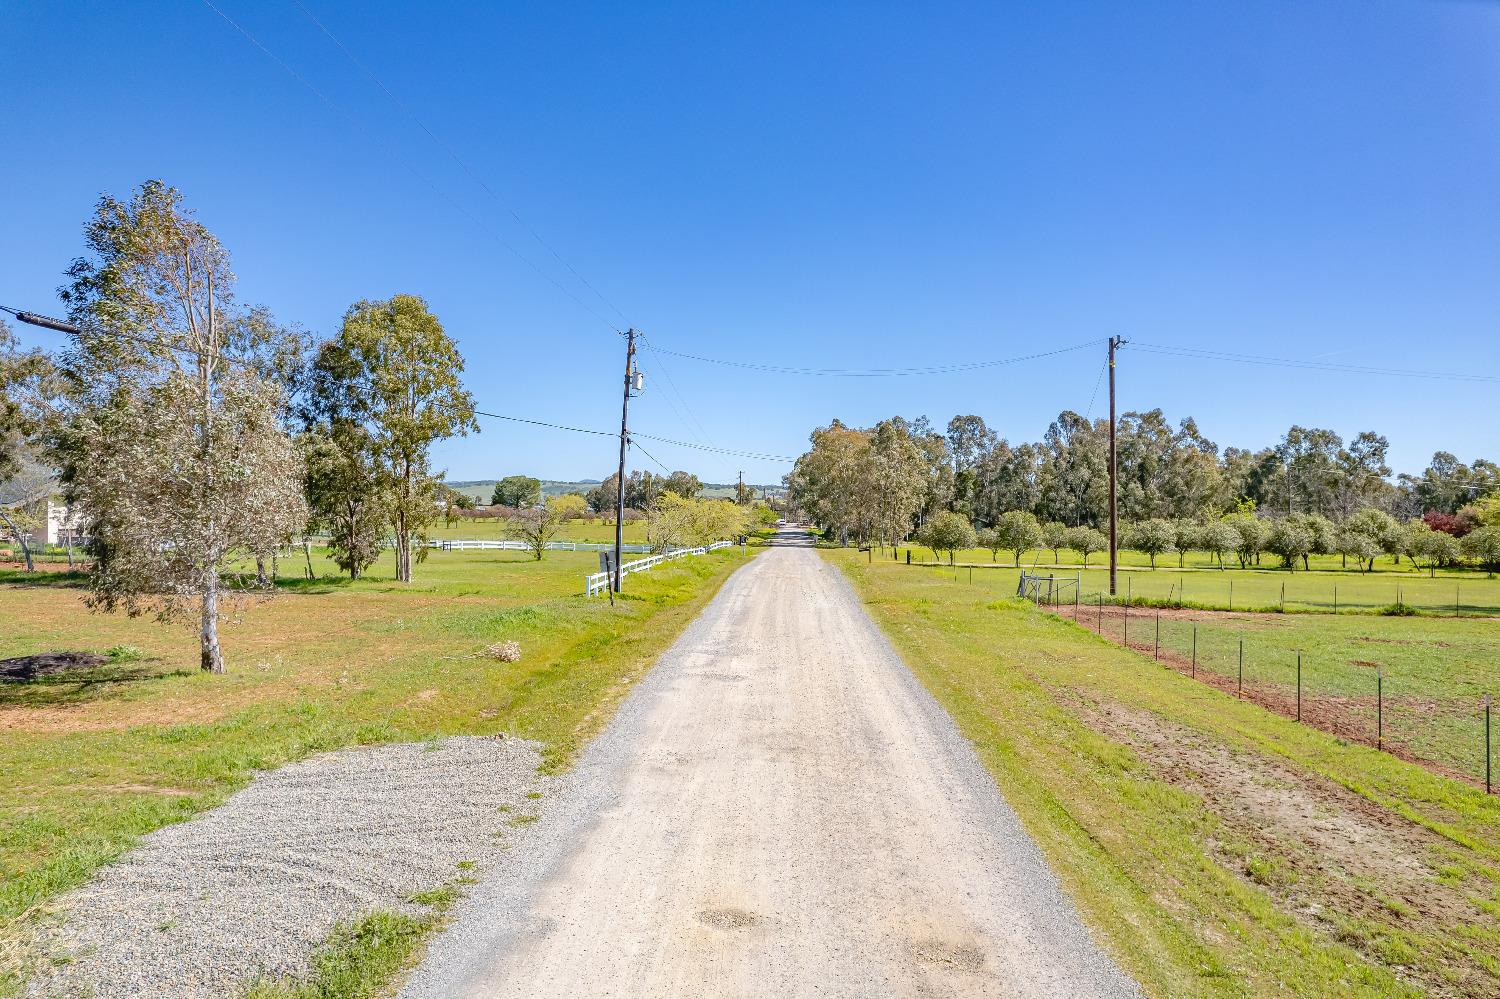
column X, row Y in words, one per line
column 1442, row 723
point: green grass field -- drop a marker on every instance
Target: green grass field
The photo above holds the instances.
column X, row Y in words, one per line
column 92, row 761
column 1217, row 848
column 486, row 529
column 1434, row 672
column 1324, row 589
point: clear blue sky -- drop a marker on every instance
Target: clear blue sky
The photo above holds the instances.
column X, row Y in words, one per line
column 820, row 185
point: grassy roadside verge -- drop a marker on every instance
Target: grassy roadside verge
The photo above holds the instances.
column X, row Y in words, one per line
column 91, row 763
column 1216, row 849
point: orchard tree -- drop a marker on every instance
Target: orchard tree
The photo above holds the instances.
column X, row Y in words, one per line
column 1251, row 532
column 1186, row 536
column 1055, row 537
column 403, row 386
column 1357, row 545
column 1290, row 540
column 535, row 527
column 1153, row 537
column 1217, row 539
column 947, row 532
column 1087, row 541
column 989, row 539
column 1433, row 547
column 174, row 443
column 1483, row 546
column 1019, row 531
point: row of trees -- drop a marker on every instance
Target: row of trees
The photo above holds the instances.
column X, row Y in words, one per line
column 1311, row 493
column 198, row 435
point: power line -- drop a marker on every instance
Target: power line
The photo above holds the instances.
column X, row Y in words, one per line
column 690, row 421
column 1286, row 362
column 1095, row 394
column 457, row 206
column 406, row 109
column 540, row 423
column 937, row 369
column 636, row 444
column 635, row 433
column 717, row 450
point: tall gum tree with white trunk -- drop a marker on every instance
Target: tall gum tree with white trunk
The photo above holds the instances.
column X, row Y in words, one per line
column 174, row 443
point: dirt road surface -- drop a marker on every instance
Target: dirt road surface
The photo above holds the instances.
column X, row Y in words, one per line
column 779, row 809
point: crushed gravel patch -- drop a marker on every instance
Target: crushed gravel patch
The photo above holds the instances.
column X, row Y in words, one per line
column 253, row 887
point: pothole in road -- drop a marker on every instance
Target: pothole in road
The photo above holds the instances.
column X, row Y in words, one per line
column 958, row 957
column 727, row 918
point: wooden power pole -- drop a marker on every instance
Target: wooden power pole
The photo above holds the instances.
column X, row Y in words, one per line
column 1115, row 342
column 625, row 440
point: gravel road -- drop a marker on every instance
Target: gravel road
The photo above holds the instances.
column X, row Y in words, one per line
column 203, row 908
column 778, row 809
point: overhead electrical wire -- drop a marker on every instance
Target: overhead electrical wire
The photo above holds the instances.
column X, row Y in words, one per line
column 631, row 435
column 636, row 444
column 385, row 148
column 935, row 369
column 1287, row 362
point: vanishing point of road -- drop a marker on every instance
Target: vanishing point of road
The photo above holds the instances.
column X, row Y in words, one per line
column 778, row 809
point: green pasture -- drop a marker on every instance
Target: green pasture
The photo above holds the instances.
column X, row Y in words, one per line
column 1433, row 672
column 94, row 759
column 1323, row 590
column 1217, row 848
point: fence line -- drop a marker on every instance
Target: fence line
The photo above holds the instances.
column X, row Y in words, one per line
column 1441, row 730
column 599, row 582
column 459, row 545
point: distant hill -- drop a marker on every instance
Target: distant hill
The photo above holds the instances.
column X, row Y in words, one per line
column 482, row 489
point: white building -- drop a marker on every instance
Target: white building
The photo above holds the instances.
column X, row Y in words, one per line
column 61, row 525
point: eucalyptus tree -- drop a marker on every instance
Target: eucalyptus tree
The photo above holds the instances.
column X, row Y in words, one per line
column 1019, row 531
column 402, row 384
column 173, row 442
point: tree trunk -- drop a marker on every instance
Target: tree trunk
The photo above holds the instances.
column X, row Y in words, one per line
column 307, row 550
column 212, row 659
column 25, row 548
column 403, row 550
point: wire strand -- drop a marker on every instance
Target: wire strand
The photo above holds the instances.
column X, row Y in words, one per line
column 938, row 369
column 1287, row 362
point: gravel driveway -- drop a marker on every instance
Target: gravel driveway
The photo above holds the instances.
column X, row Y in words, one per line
column 778, row 809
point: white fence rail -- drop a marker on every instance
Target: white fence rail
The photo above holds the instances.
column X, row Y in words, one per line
column 459, row 545
column 599, row 581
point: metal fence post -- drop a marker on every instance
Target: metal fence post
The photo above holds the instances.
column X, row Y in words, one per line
column 1283, row 596
column 1240, row 689
column 1379, row 709
column 1299, row 684
column 1127, row 625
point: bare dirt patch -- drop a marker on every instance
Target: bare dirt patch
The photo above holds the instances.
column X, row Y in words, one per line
column 1329, row 857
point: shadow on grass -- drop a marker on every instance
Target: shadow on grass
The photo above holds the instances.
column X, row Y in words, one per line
column 81, row 686
column 70, row 579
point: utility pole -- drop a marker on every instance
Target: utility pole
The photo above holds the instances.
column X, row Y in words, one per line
column 739, row 492
column 1115, row 342
column 624, row 440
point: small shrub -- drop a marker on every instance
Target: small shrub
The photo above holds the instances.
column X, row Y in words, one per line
column 124, row 653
